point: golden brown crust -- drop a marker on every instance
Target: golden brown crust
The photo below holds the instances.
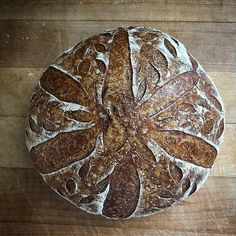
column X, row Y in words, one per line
column 125, row 124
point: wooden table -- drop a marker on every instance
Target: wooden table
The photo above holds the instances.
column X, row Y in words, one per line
column 33, row 34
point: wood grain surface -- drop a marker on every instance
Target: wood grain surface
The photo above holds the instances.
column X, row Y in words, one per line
column 33, row 34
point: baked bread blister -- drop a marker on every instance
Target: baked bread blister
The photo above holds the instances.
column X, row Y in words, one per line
column 125, row 124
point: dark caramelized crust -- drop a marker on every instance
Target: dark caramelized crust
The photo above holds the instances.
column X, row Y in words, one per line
column 123, row 194
column 125, row 124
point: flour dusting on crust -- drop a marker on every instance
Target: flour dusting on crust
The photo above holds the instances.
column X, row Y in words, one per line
column 125, row 124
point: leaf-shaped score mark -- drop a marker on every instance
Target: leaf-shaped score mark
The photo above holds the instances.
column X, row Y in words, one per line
column 208, row 126
column 101, row 66
column 80, row 115
column 175, row 171
column 160, row 61
column 220, row 129
column 100, row 47
column 184, row 146
column 57, row 152
column 215, row 102
column 87, row 200
column 141, row 90
column 150, row 82
column 123, row 193
column 102, row 185
column 118, row 75
column 105, row 37
column 34, row 127
column 84, row 169
column 156, row 74
column 70, row 186
column 170, row 47
column 63, row 87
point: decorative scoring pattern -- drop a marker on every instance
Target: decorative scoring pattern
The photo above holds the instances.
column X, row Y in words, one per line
column 125, row 124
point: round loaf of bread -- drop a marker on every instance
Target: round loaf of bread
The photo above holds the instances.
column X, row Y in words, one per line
column 125, row 124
